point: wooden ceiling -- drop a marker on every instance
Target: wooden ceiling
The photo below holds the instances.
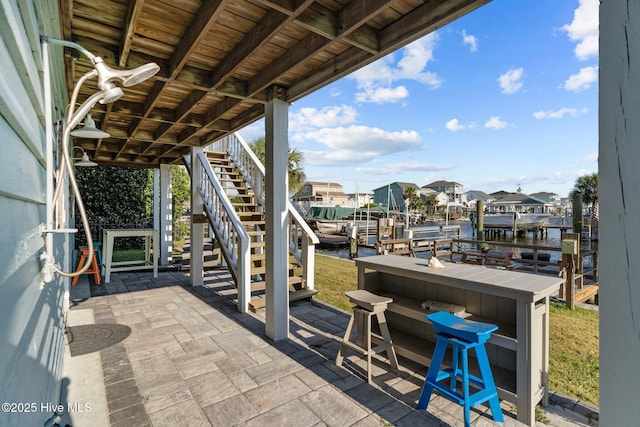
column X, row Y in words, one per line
column 219, row 58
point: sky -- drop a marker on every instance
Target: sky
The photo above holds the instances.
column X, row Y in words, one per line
column 505, row 97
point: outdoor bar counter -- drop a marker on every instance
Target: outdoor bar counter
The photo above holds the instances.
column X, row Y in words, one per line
column 515, row 301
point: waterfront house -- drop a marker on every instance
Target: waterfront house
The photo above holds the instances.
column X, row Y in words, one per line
column 519, row 202
column 359, row 200
column 321, row 194
column 454, row 190
column 204, row 91
column 553, row 198
column 441, row 199
column 391, row 196
column 474, row 195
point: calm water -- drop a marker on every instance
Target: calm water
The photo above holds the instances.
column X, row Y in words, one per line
column 553, row 239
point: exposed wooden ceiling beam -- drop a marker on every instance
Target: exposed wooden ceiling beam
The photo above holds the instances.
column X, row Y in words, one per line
column 130, row 24
column 342, row 65
column 300, row 52
column 103, row 125
column 271, row 23
column 348, row 24
column 351, row 19
column 204, row 18
column 423, row 20
column 184, row 109
column 149, row 103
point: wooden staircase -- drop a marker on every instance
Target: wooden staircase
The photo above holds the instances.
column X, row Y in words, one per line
column 251, row 214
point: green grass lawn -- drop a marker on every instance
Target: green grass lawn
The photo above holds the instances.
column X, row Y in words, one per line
column 573, row 335
column 128, row 255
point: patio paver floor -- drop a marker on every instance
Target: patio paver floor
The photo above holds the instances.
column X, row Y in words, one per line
column 192, row 359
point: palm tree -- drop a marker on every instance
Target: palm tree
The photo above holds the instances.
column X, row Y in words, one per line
column 297, row 177
column 432, row 202
column 587, row 187
column 409, row 193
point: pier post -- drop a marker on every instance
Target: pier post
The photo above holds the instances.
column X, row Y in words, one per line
column 576, row 206
column 479, row 219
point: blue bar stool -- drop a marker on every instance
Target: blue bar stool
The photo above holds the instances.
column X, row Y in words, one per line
column 462, row 335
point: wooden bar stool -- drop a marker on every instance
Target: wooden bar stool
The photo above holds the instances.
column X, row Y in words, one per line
column 94, row 269
column 367, row 306
column 462, row 335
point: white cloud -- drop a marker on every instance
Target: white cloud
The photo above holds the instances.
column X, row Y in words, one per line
column 496, row 123
column 352, row 144
column 376, row 80
column 470, row 41
column 307, row 118
column 511, row 81
column 583, row 80
column 382, row 95
column 398, row 168
column 584, row 29
column 454, row 125
column 560, row 114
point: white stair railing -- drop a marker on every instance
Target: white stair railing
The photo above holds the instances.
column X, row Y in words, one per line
column 302, row 239
column 230, row 233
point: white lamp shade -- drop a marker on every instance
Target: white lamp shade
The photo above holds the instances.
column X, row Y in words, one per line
column 89, row 130
column 85, row 162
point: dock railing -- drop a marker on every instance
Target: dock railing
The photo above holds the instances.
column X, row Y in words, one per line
column 581, row 275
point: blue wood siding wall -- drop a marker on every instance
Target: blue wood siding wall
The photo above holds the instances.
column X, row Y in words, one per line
column 31, row 312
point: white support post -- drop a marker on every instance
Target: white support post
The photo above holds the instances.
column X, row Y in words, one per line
column 309, row 257
column 165, row 226
column 276, row 216
column 196, row 262
column 619, row 232
column 156, row 199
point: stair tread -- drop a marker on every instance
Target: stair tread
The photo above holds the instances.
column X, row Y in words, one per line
column 263, row 269
column 260, row 302
column 260, row 285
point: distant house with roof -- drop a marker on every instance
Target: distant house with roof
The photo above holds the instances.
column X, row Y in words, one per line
column 391, row 195
column 553, row 198
column 454, row 190
column 474, row 195
column 441, row 198
column 497, row 195
column 321, row 193
column 519, row 202
column 547, row 197
column 360, row 199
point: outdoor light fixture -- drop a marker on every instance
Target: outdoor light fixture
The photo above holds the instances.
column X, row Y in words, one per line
column 89, row 130
column 84, row 161
column 109, row 92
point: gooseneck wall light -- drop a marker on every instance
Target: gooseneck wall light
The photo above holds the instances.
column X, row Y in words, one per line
column 89, row 130
column 109, row 92
column 84, row 160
